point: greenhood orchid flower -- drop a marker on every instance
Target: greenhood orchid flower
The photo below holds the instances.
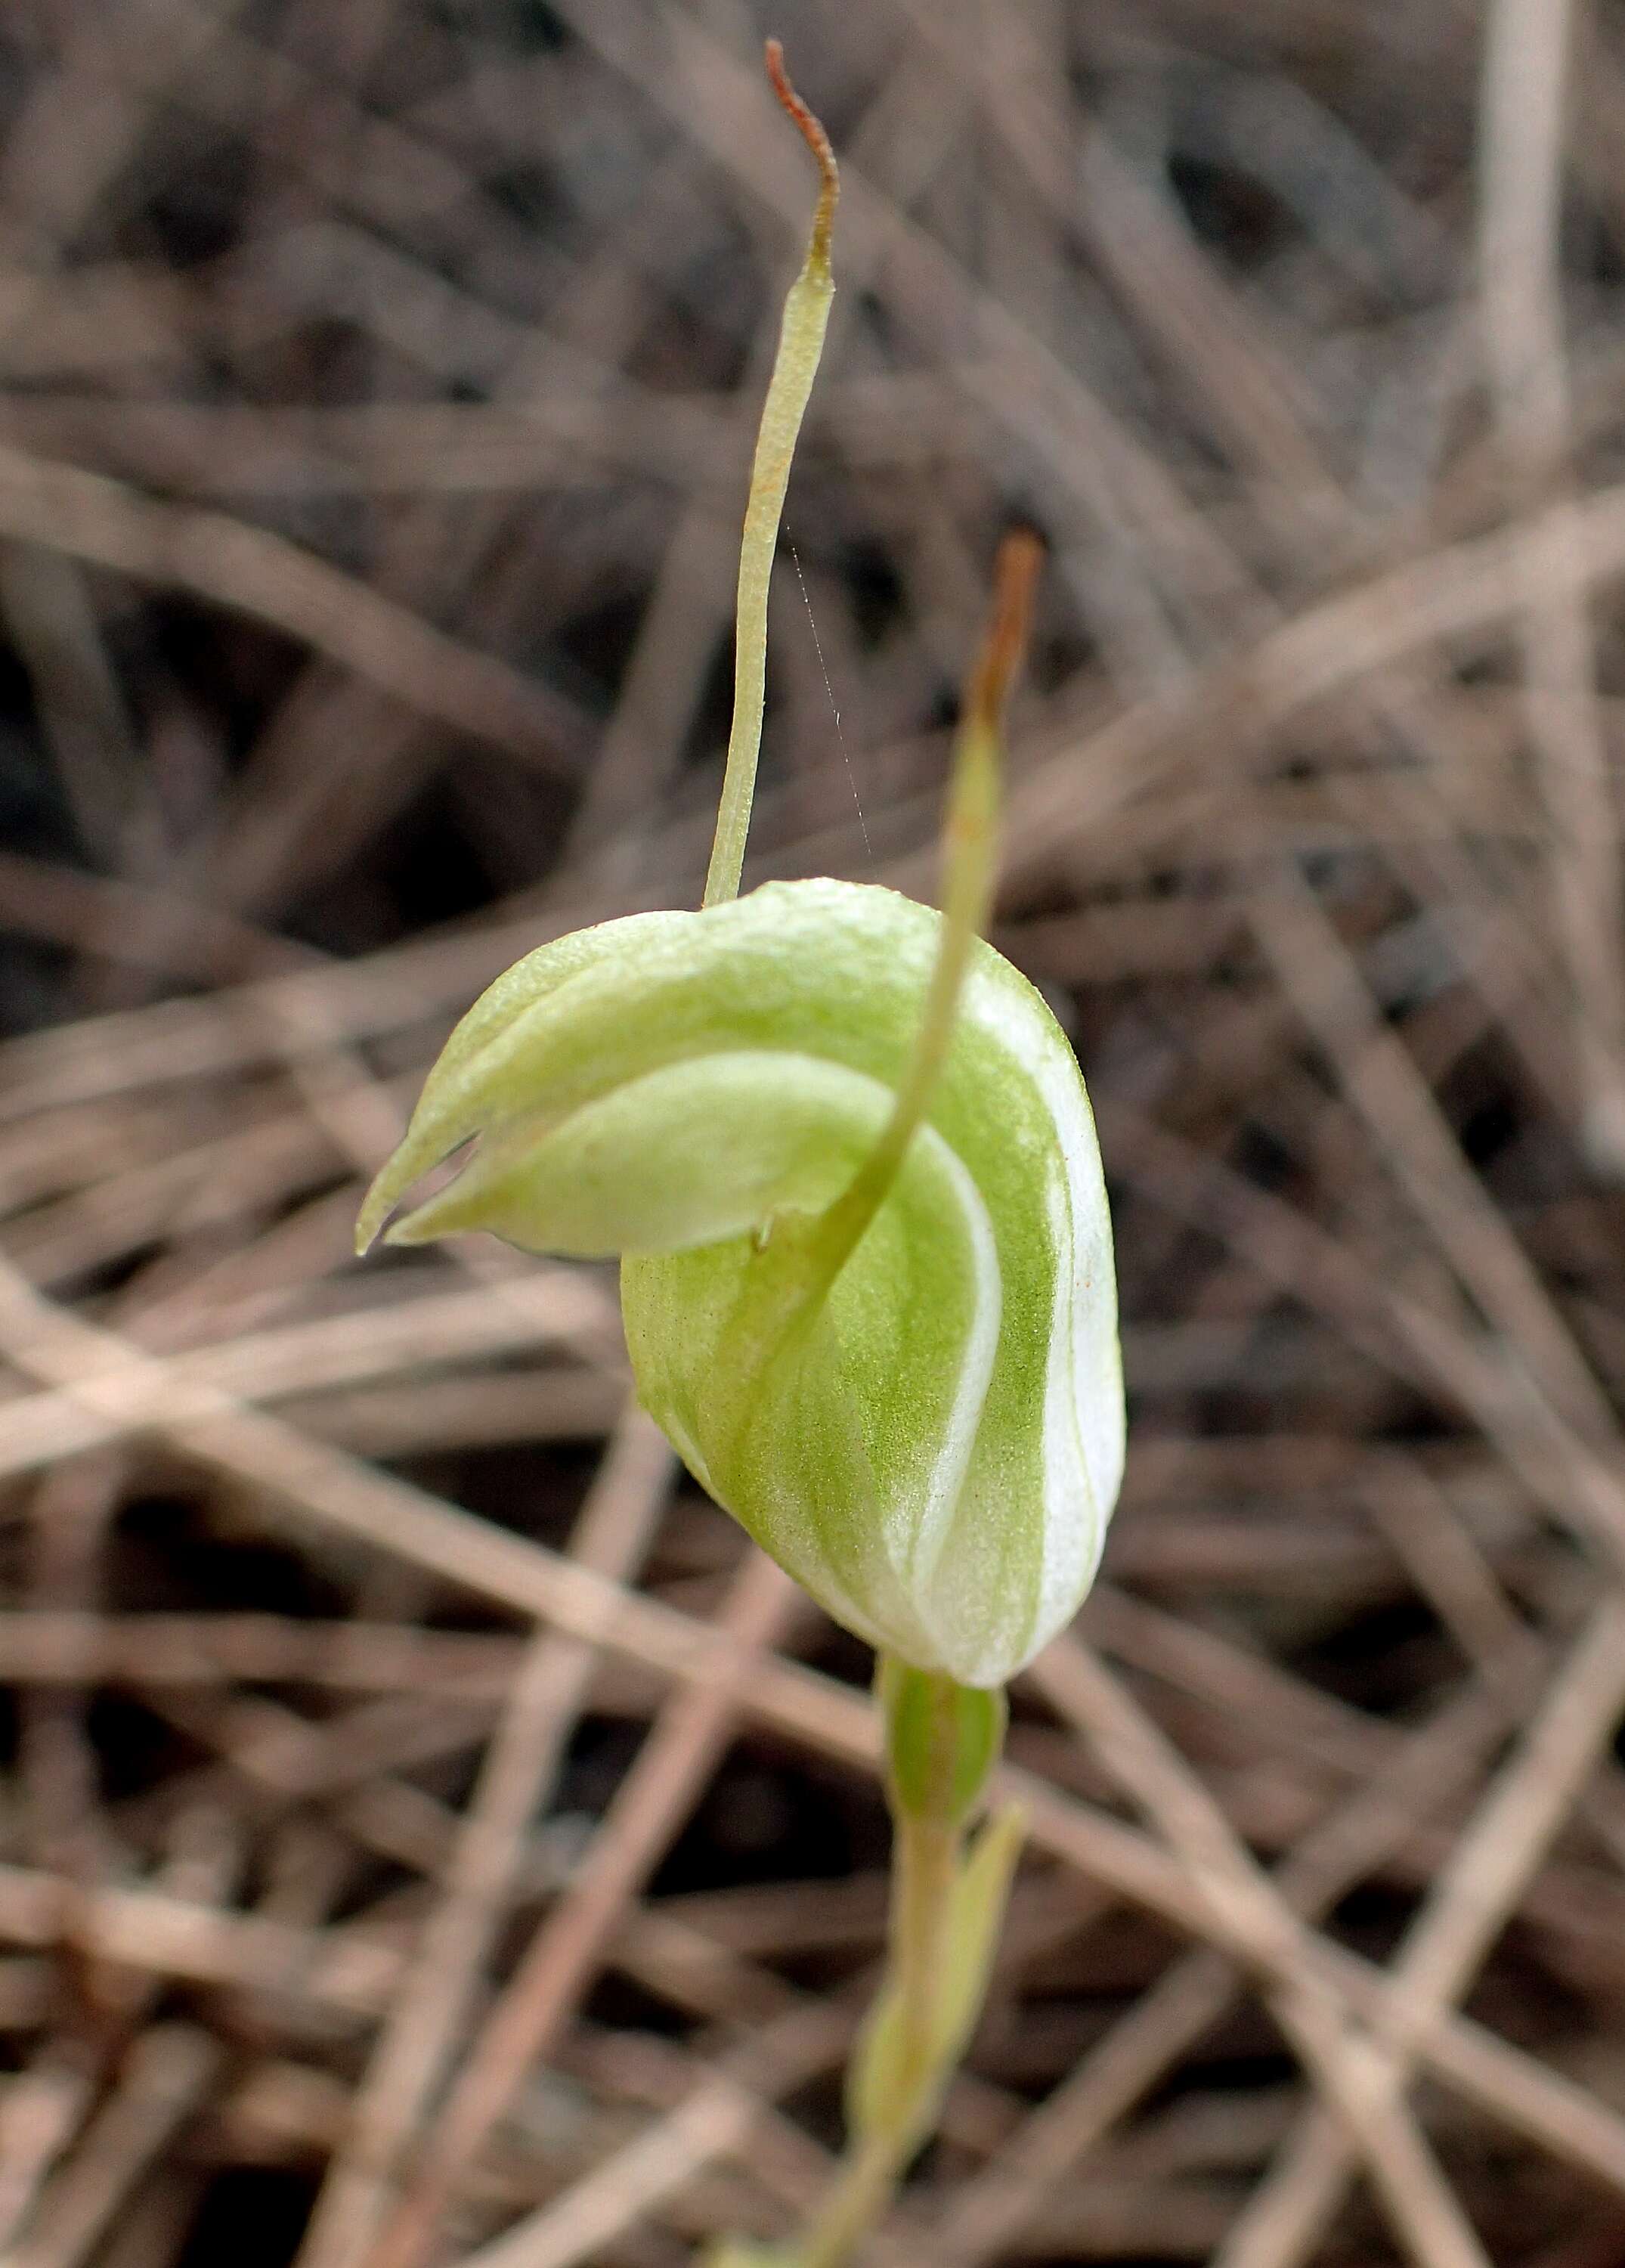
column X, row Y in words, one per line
column 844, row 1154
column 930, row 1442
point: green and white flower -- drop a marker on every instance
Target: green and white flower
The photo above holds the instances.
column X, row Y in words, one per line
column 930, row 1440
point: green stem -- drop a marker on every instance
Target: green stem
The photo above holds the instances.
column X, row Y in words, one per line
column 927, row 1812
column 801, row 342
column 861, row 2191
column 924, row 1855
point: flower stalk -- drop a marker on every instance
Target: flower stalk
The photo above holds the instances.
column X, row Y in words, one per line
column 948, row 1898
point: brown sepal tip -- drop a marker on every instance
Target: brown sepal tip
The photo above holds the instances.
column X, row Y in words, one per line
column 813, row 134
column 1015, row 575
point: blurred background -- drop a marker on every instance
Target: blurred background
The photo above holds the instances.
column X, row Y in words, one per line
column 425, row 1835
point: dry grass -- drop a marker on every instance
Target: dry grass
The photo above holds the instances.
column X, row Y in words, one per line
column 426, row 1836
